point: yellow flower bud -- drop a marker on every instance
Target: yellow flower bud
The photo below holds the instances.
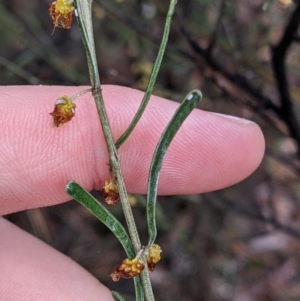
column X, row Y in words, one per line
column 128, row 269
column 62, row 12
column 64, row 111
column 153, row 256
column 111, row 193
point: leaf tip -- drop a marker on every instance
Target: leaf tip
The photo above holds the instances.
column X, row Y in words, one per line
column 69, row 185
column 194, row 95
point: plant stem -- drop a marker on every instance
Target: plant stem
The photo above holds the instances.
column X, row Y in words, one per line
column 73, row 97
column 153, row 76
column 86, row 30
column 84, row 18
column 115, row 165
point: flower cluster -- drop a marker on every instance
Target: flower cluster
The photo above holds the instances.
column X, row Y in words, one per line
column 64, row 111
column 153, row 256
column 128, row 269
column 131, row 268
column 111, row 193
column 62, row 12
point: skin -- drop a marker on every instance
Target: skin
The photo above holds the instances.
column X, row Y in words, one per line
column 209, row 152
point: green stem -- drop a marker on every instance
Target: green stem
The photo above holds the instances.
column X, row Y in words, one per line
column 73, row 97
column 83, row 9
column 115, row 165
column 153, row 76
column 84, row 18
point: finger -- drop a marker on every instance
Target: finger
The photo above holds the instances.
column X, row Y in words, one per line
column 209, row 152
column 33, row 271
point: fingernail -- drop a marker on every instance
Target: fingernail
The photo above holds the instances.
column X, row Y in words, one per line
column 235, row 119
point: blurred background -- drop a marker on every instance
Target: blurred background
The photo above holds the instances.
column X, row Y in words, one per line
column 241, row 243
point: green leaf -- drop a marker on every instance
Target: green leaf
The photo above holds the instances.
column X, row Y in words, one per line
column 117, row 296
column 185, row 108
column 153, row 75
column 109, row 220
column 139, row 294
column 79, row 194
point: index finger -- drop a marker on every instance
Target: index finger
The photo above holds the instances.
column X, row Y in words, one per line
column 209, row 152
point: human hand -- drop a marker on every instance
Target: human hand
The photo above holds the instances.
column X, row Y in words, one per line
column 209, row 152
